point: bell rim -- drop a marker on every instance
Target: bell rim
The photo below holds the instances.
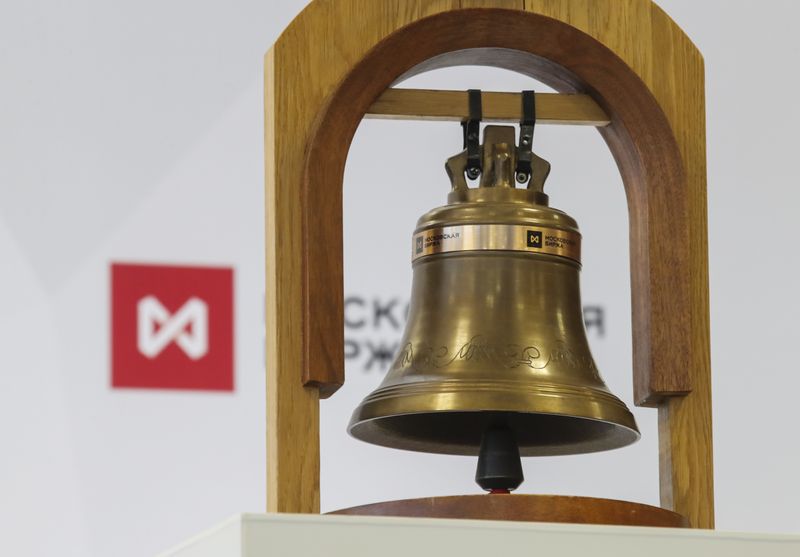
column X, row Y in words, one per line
column 371, row 418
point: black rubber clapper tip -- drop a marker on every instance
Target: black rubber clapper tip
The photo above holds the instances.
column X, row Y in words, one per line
column 499, row 465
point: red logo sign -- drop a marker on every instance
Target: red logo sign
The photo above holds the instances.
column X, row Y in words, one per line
column 172, row 327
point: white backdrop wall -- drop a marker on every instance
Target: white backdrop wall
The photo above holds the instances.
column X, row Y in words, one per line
column 132, row 132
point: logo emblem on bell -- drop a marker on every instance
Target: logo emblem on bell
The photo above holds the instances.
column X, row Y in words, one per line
column 534, row 239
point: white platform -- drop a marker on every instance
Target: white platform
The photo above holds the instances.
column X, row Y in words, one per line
column 267, row 535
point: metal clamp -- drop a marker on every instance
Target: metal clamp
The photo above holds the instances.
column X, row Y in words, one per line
column 531, row 167
column 524, row 154
column 472, row 133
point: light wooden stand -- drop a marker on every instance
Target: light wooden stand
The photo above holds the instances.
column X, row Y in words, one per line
column 624, row 67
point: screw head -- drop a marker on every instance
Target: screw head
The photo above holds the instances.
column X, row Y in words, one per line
column 473, row 173
column 522, row 177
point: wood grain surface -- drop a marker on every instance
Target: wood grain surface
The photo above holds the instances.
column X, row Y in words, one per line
column 292, row 409
column 629, row 57
column 425, row 104
column 526, row 508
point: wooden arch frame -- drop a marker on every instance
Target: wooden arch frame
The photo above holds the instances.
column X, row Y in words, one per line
column 637, row 65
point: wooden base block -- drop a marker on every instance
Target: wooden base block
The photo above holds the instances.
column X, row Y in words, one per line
column 526, row 508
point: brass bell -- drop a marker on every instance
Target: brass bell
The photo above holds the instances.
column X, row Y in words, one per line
column 495, row 336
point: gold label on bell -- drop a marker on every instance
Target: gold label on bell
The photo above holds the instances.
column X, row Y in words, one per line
column 501, row 237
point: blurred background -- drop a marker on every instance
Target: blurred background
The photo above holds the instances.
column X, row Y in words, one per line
column 132, row 133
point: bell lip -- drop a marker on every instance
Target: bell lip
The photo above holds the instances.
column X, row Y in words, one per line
column 625, row 435
column 368, row 416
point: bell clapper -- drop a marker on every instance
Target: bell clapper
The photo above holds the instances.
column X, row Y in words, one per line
column 499, row 466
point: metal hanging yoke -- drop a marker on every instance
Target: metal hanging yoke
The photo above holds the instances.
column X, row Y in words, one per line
column 472, row 134
column 531, row 167
column 526, row 125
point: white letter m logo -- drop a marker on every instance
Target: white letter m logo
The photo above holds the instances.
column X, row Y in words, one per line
column 151, row 340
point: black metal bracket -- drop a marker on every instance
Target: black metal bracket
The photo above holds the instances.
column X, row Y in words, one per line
column 472, row 134
column 524, row 154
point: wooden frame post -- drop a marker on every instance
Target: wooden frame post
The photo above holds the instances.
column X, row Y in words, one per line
column 628, row 58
